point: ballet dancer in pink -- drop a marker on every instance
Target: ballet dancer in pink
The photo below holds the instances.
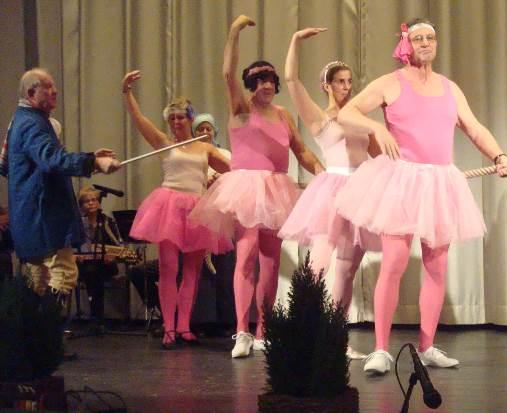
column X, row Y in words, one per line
column 162, row 216
column 314, row 221
column 414, row 189
column 252, row 201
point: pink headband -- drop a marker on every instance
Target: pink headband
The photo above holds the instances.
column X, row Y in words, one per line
column 258, row 69
column 404, row 48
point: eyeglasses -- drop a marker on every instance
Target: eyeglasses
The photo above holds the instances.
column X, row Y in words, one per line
column 420, row 38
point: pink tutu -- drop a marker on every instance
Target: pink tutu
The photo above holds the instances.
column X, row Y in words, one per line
column 432, row 202
column 163, row 216
column 315, row 216
column 252, row 198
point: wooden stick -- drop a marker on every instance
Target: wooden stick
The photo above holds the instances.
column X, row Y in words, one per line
column 474, row 173
column 167, row 148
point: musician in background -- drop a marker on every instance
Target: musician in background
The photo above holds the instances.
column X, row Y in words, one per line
column 94, row 266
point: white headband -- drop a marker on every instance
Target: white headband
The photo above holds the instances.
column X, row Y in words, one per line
column 420, row 26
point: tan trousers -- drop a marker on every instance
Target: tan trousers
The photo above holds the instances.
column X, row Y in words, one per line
column 57, row 271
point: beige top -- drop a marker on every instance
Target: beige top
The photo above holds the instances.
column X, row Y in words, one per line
column 185, row 172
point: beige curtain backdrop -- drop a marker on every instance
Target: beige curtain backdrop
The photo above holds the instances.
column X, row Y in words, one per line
column 178, row 46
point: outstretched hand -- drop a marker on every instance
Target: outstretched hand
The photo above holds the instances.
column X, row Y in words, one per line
column 309, row 32
column 242, row 21
column 106, row 164
column 130, row 78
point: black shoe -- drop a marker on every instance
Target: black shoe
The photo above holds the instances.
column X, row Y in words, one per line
column 171, row 344
column 192, row 341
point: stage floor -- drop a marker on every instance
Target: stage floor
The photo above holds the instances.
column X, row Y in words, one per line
column 206, row 379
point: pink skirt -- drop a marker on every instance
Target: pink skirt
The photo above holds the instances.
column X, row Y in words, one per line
column 314, row 216
column 163, row 216
column 252, row 198
column 432, row 202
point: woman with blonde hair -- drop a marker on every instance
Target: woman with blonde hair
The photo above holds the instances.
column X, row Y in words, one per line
column 162, row 217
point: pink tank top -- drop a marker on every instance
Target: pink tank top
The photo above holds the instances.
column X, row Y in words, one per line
column 339, row 151
column 260, row 144
column 423, row 126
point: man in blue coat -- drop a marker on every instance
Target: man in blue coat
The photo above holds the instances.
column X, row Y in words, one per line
column 44, row 215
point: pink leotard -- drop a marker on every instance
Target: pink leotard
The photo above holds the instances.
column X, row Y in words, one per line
column 261, row 144
column 423, row 126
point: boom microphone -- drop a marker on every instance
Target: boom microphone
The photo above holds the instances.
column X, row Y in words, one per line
column 105, row 189
column 431, row 397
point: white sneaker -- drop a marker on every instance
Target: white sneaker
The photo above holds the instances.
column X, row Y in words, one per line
column 355, row 355
column 378, row 362
column 258, row 344
column 244, row 343
column 437, row 358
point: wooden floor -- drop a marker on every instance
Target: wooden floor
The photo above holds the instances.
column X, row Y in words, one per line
column 206, row 379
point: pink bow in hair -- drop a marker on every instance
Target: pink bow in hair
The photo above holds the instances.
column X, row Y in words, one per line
column 404, row 48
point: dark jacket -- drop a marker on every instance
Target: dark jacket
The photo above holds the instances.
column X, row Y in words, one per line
column 44, row 215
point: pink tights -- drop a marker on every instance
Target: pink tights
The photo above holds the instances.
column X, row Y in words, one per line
column 344, row 272
column 253, row 243
column 170, row 296
column 396, row 252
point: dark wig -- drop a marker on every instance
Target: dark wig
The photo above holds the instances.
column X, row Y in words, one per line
column 250, row 82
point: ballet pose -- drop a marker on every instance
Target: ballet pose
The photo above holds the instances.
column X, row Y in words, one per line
column 314, row 221
column 162, row 217
column 414, row 189
column 252, row 201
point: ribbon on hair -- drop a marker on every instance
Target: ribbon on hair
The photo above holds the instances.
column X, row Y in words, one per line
column 258, row 69
column 404, row 48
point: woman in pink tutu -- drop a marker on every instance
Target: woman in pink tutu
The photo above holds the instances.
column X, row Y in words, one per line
column 162, row 217
column 252, row 201
column 414, row 190
column 313, row 220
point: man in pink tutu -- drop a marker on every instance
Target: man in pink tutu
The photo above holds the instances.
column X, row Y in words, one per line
column 253, row 200
column 413, row 188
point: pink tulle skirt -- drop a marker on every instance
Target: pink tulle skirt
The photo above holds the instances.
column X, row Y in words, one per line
column 252, row 198
column 432, row 202
column 163, row 216
column 314, row 216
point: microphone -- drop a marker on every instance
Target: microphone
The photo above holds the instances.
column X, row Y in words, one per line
column 105, row 189
column 431, row 396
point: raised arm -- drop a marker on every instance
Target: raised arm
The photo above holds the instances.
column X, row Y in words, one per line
column 308, row 110
column 154, row 136
column 478, row 133
column 237, row 101
column 306, row 158
column 353, row 115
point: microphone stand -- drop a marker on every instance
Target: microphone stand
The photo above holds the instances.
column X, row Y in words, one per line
column 412, row 382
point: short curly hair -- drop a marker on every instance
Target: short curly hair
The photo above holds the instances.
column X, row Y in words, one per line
column 250, row 81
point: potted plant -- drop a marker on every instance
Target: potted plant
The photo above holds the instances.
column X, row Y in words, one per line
column 306, row 343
